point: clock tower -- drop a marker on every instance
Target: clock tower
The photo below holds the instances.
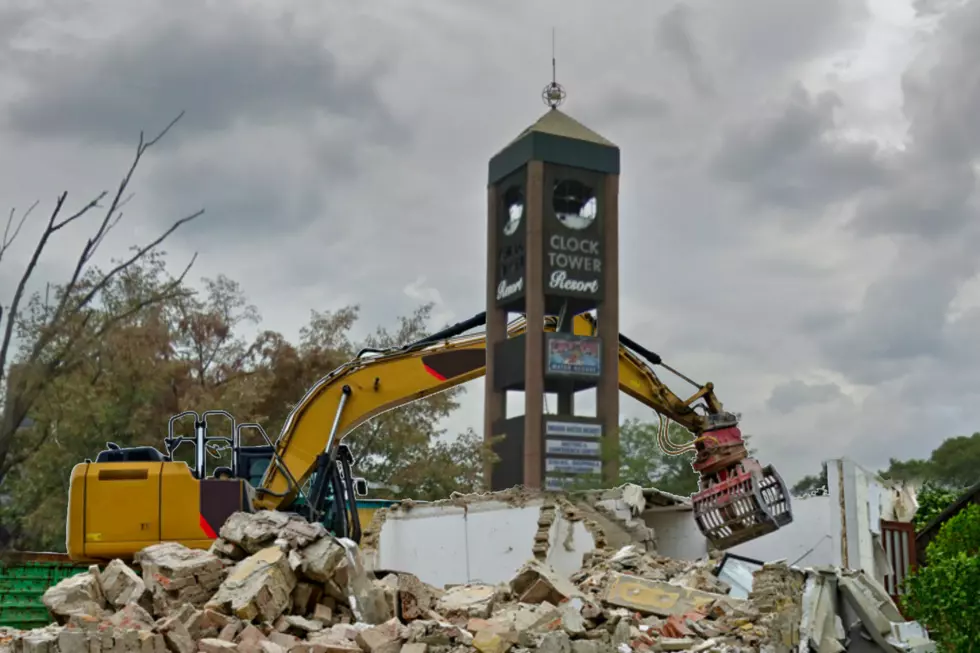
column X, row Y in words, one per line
column 552, row 250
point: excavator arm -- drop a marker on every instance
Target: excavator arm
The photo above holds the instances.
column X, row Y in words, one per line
column 129, row 498
column 739, row 500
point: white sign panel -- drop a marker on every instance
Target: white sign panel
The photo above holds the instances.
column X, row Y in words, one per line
column 556, row 483
column 572, row 447
column 572, row 466
column 573, row 429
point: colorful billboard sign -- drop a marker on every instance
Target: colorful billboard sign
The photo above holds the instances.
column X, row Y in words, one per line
column 570, row 355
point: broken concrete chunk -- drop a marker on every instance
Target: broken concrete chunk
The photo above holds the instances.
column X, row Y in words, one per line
column 175, row 574
column 384, row 638
column 267, row 646
column 557, row 642
column 335, row 647
column 305, row 596
column 467, row 600
column 175, row 633
column 260, row 586
column 571, row 618
column 121, row 585
column 284, row 640
column 296, row 625
column 253, row 532
column 675, row 644
column 250, row 635
column 132, row 617
column 203, row 624
column 368, row 602
column 229, row 632
column 415, row 597
column 79, row 594
column 228, row 551
column 69, row 641
column 40, row 640
column 319, row 560
column 703, row 580
column 656, row 597
column 487, row 641
column 536, row 582
column 211, row 645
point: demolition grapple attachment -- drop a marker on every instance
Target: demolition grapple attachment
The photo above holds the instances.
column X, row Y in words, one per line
column 739, row 499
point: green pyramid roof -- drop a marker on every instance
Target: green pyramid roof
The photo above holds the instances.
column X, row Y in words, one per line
column 556, row 138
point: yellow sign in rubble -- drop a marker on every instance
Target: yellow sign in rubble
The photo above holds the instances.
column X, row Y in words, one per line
column 655, row 597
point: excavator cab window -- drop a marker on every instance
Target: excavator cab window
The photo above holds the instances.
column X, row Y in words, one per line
column 360, row 487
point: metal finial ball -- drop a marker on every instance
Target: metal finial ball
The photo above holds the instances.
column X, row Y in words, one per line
column 553, row 94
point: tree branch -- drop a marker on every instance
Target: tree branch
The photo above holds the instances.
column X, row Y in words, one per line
column 55, row 324
column 8, row 240
column 22, row 284
column 90, row 248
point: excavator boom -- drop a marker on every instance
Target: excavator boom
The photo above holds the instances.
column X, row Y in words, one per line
column 131, row 498
column 738, row 500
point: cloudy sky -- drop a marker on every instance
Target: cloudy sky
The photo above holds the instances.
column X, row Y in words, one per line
column 797, row 196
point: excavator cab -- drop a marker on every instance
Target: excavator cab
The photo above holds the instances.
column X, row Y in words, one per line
column 132, row 497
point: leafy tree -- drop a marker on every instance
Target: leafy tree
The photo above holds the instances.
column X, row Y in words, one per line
column 813, row 484
column 446, row 467
column 933, row 500
column 643, row 462
column 945, row 595
column 395, row 448
column 953, row 464
column 189, row 353
column 120, row 392
column 48, row 336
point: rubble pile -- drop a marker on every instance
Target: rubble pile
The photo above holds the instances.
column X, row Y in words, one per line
column 273, row 583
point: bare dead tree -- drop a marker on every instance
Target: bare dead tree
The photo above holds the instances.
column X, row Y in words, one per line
column 64, row 338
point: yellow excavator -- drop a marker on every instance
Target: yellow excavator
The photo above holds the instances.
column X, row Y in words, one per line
column 130, row 498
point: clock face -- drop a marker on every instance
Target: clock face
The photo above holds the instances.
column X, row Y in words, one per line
column 514, row 205
column 575, row 204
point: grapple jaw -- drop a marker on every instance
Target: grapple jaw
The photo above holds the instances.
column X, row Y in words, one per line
column 739, row 500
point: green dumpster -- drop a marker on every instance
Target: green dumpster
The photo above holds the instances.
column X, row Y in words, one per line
column 23, row 579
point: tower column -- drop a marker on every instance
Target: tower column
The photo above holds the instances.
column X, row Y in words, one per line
column 552, row 253
column 607, row 394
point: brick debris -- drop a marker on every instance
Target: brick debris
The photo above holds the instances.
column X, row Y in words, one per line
column 274, row 583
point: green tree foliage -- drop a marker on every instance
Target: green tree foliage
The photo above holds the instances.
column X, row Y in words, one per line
column 953, row 464
column 813, row 484
column 932, row 500
column 643, row 462
column 952, row 467
column 945, row 595
column 195, row 351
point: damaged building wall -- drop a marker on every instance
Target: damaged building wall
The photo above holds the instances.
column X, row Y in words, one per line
column 486, row 538
column 677, row 533
column 482, row 540
column 859, row 500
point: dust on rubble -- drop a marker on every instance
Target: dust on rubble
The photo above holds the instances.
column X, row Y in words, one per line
column 273, row 583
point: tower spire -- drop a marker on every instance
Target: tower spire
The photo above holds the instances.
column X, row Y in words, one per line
column 554, row 93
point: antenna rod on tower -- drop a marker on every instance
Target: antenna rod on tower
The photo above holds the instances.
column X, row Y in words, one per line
column 553, row 94
column 554, row 75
